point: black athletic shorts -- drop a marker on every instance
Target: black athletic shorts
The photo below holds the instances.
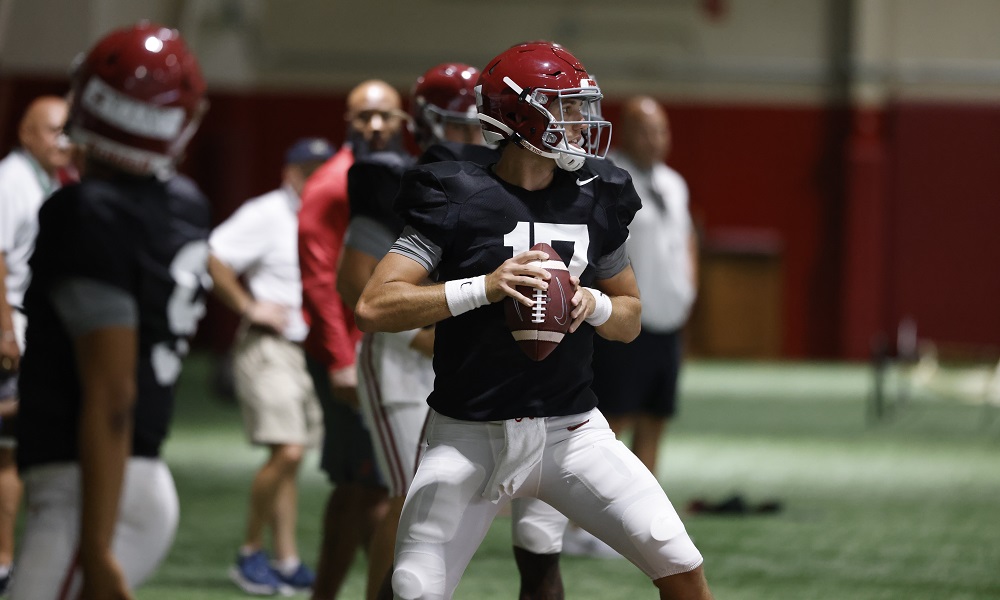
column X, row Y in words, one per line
column 639, row 377
column 347, row 454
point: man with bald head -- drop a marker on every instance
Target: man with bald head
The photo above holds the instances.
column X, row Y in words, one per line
column 359, row 500
column 28, row 175
column 637, row 382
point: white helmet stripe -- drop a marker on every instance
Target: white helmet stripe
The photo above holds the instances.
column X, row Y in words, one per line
column 128, row 114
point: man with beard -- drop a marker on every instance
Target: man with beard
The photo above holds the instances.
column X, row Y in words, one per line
column 359, row 500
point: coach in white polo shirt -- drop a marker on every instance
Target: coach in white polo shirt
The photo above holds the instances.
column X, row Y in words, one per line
column 28, row 175
column 280, row 409
column 637, row 383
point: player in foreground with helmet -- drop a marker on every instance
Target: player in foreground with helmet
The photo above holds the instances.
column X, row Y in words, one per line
column 395, row 374
column 503, row 425
column 118, row 269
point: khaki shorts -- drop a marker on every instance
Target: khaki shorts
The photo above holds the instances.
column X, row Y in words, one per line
column 275, row 391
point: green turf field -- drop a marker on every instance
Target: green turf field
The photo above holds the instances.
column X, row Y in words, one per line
column 905, row 510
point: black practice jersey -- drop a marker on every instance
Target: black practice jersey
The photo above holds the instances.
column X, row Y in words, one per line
column 373, row 180
column 478, row 221
column 372, row 184
column 140, row 236
column 445, row 151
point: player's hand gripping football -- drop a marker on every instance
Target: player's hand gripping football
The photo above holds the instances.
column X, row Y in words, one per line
column 523, row 269
column 583, row 304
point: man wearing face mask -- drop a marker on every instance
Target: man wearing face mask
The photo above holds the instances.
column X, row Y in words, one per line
column 27, row 176
column 359, row 500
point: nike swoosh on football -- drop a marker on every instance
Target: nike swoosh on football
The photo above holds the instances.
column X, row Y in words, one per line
column 585, row 181
column 561, row 319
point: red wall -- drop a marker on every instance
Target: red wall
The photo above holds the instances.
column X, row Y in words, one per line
column 780, row 170
column 775, row 170
column 944, row 238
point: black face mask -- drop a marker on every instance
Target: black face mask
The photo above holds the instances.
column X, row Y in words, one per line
column 360, row 147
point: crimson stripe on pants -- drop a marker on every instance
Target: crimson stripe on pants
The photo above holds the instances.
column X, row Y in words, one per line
column 385, row 433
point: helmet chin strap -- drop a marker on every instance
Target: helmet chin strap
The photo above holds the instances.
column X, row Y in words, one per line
column 569, row 162
column 492, row 137
column 496, row 123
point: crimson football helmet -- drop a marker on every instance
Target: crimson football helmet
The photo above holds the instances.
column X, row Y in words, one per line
column 523, row 94
column 137, row 98
column 444, row 93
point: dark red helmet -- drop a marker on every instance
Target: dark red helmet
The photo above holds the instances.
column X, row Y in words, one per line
column 443, row 93
column 523, row 95
column 137, row 99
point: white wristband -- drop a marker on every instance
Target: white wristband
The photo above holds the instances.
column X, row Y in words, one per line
column 464, row 295
column 602, row 310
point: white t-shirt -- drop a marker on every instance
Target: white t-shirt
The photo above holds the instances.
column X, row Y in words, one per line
column 24, row 185
column 260, row 241
column 658, row 246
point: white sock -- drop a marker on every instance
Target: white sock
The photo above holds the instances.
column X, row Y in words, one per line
column 288, row 565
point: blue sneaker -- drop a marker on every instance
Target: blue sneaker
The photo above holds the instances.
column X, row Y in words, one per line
column 301, row 579
column 253, row 574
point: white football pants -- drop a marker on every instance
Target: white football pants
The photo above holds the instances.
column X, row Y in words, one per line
column 48, row 563
column 584, row 472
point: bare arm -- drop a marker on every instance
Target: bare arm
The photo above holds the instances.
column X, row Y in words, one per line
column 106, row 360
column 626, row 309
column 344, row 385
column 397, row 298
column 227, row 288
column 10, row 353
column 356, row 268
column 423, row 342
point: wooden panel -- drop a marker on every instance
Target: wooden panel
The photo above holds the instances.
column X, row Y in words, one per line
column 739, row 308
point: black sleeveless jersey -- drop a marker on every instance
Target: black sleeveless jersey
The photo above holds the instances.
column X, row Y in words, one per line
column 144, row 237
column 478, row 221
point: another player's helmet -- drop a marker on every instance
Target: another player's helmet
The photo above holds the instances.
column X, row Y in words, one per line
column 520, row 97
column 137, row 98
column 445, row 92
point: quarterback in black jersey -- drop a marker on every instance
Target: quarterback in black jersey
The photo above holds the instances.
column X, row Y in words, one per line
column 502, row 426
column 394, row 369
column 118, row 274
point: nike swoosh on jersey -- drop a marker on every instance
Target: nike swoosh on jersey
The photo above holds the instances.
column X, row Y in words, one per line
column 584, row 182
column 577, row 426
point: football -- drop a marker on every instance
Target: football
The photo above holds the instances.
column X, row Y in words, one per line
column 539, row 329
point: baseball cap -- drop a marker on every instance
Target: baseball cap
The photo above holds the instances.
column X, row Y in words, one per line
column 309, row 150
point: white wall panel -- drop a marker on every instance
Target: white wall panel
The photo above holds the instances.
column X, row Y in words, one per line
column 769, row 50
